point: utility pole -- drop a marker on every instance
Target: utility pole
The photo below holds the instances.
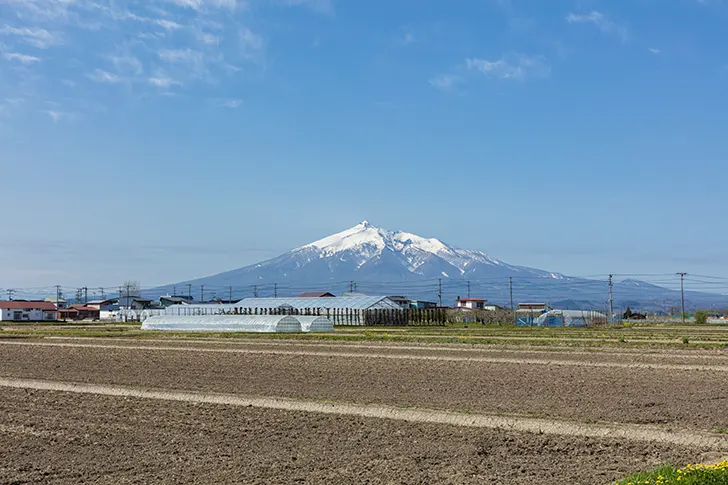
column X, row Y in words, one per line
column 255, row 291
column 468, row 289
column 58, row 301
column 611, row 298
column 510, row 284
column 174, row 291
column 230, row 298
column 275, row 290
column 85, row 295
column 103, row 295
column 128, row 296
column 10, row 294
column 355, row 289
column 351, row 287
column 202, row 293
column 439, row 290
column 682, row 293
column 189, row 292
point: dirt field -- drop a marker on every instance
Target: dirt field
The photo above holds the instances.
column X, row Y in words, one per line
column 69, row 437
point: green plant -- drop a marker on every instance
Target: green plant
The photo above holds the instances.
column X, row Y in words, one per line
column 716, row 474
column 701, row 317
column 685, row 340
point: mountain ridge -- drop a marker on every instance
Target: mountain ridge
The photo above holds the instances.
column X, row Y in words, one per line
column 396, row 262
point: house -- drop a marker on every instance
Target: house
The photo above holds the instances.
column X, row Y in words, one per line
column 27, row 311
column 60, row 303
column 492, row 307
column 401, row 301
column 422, row 305
column 471, row 303
column 167, row 301
column 103, row 304
column 316, row 294
column 80, row 312
column 134, row 303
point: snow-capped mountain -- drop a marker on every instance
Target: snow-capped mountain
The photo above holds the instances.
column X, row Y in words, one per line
column 370, row 250
column 387, row 262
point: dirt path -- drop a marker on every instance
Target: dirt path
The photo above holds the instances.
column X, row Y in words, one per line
column 513, row 423
column 381, row 355
column 687, row 353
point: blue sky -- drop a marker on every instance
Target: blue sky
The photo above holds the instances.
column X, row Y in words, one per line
column 162, row 140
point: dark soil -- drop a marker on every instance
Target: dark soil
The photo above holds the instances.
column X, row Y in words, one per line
column 60, row 438
column 697, row 399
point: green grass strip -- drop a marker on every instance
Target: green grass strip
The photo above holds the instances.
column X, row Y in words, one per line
column 716, row 474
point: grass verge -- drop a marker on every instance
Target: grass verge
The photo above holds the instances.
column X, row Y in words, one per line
column 716, row 474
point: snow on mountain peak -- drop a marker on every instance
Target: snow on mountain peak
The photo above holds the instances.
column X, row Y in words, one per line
column 367, row 235
column 365, row 241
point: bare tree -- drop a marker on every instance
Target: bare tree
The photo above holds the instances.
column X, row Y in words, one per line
column 130, row 290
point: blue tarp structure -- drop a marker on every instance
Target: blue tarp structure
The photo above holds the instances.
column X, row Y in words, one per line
column 570, row 318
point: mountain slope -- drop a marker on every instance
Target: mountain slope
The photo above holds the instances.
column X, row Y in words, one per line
column 386, row 262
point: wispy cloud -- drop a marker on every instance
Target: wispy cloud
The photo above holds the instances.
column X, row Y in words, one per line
column 146, row 47
column 444, row 82
column 37, row 37
column 21, row 58
column 251, row 43
column 163, row 82
column 320, row 6
column 407, row 37
column 207, row 4
column 127, row 63
column 58, row 116
column 517, row 67
column 601, row 21
column 228, row 103
column 654, row 51
column 101, row 76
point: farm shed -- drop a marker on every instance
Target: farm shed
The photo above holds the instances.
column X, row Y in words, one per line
column 570, row 318
column 342, row 310
column 227, row 323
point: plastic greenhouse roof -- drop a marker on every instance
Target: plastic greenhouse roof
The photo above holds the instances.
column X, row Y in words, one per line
column 226, row 323
column 335, row 303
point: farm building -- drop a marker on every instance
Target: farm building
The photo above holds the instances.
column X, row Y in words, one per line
column 239, row 323
column 80, row 312
column 471, row 303
column 27, row 311
column 570, row 318
column 527, row 313
column 341, row 310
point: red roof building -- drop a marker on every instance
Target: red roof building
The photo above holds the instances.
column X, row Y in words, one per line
column 471, row 303
column 27, row 311
column 29, row 305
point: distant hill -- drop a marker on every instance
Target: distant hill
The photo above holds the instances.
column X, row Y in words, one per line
column 379, row 261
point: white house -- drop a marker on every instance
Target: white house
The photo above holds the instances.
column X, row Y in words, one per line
column 471, row 303
column 27, row 311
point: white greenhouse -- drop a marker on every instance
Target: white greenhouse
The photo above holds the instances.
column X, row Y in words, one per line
column 315, row 324
column 343, row 310
column 570, row 318
column 232, row 323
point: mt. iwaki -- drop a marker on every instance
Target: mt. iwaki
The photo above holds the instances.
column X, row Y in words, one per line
column 378, row 261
